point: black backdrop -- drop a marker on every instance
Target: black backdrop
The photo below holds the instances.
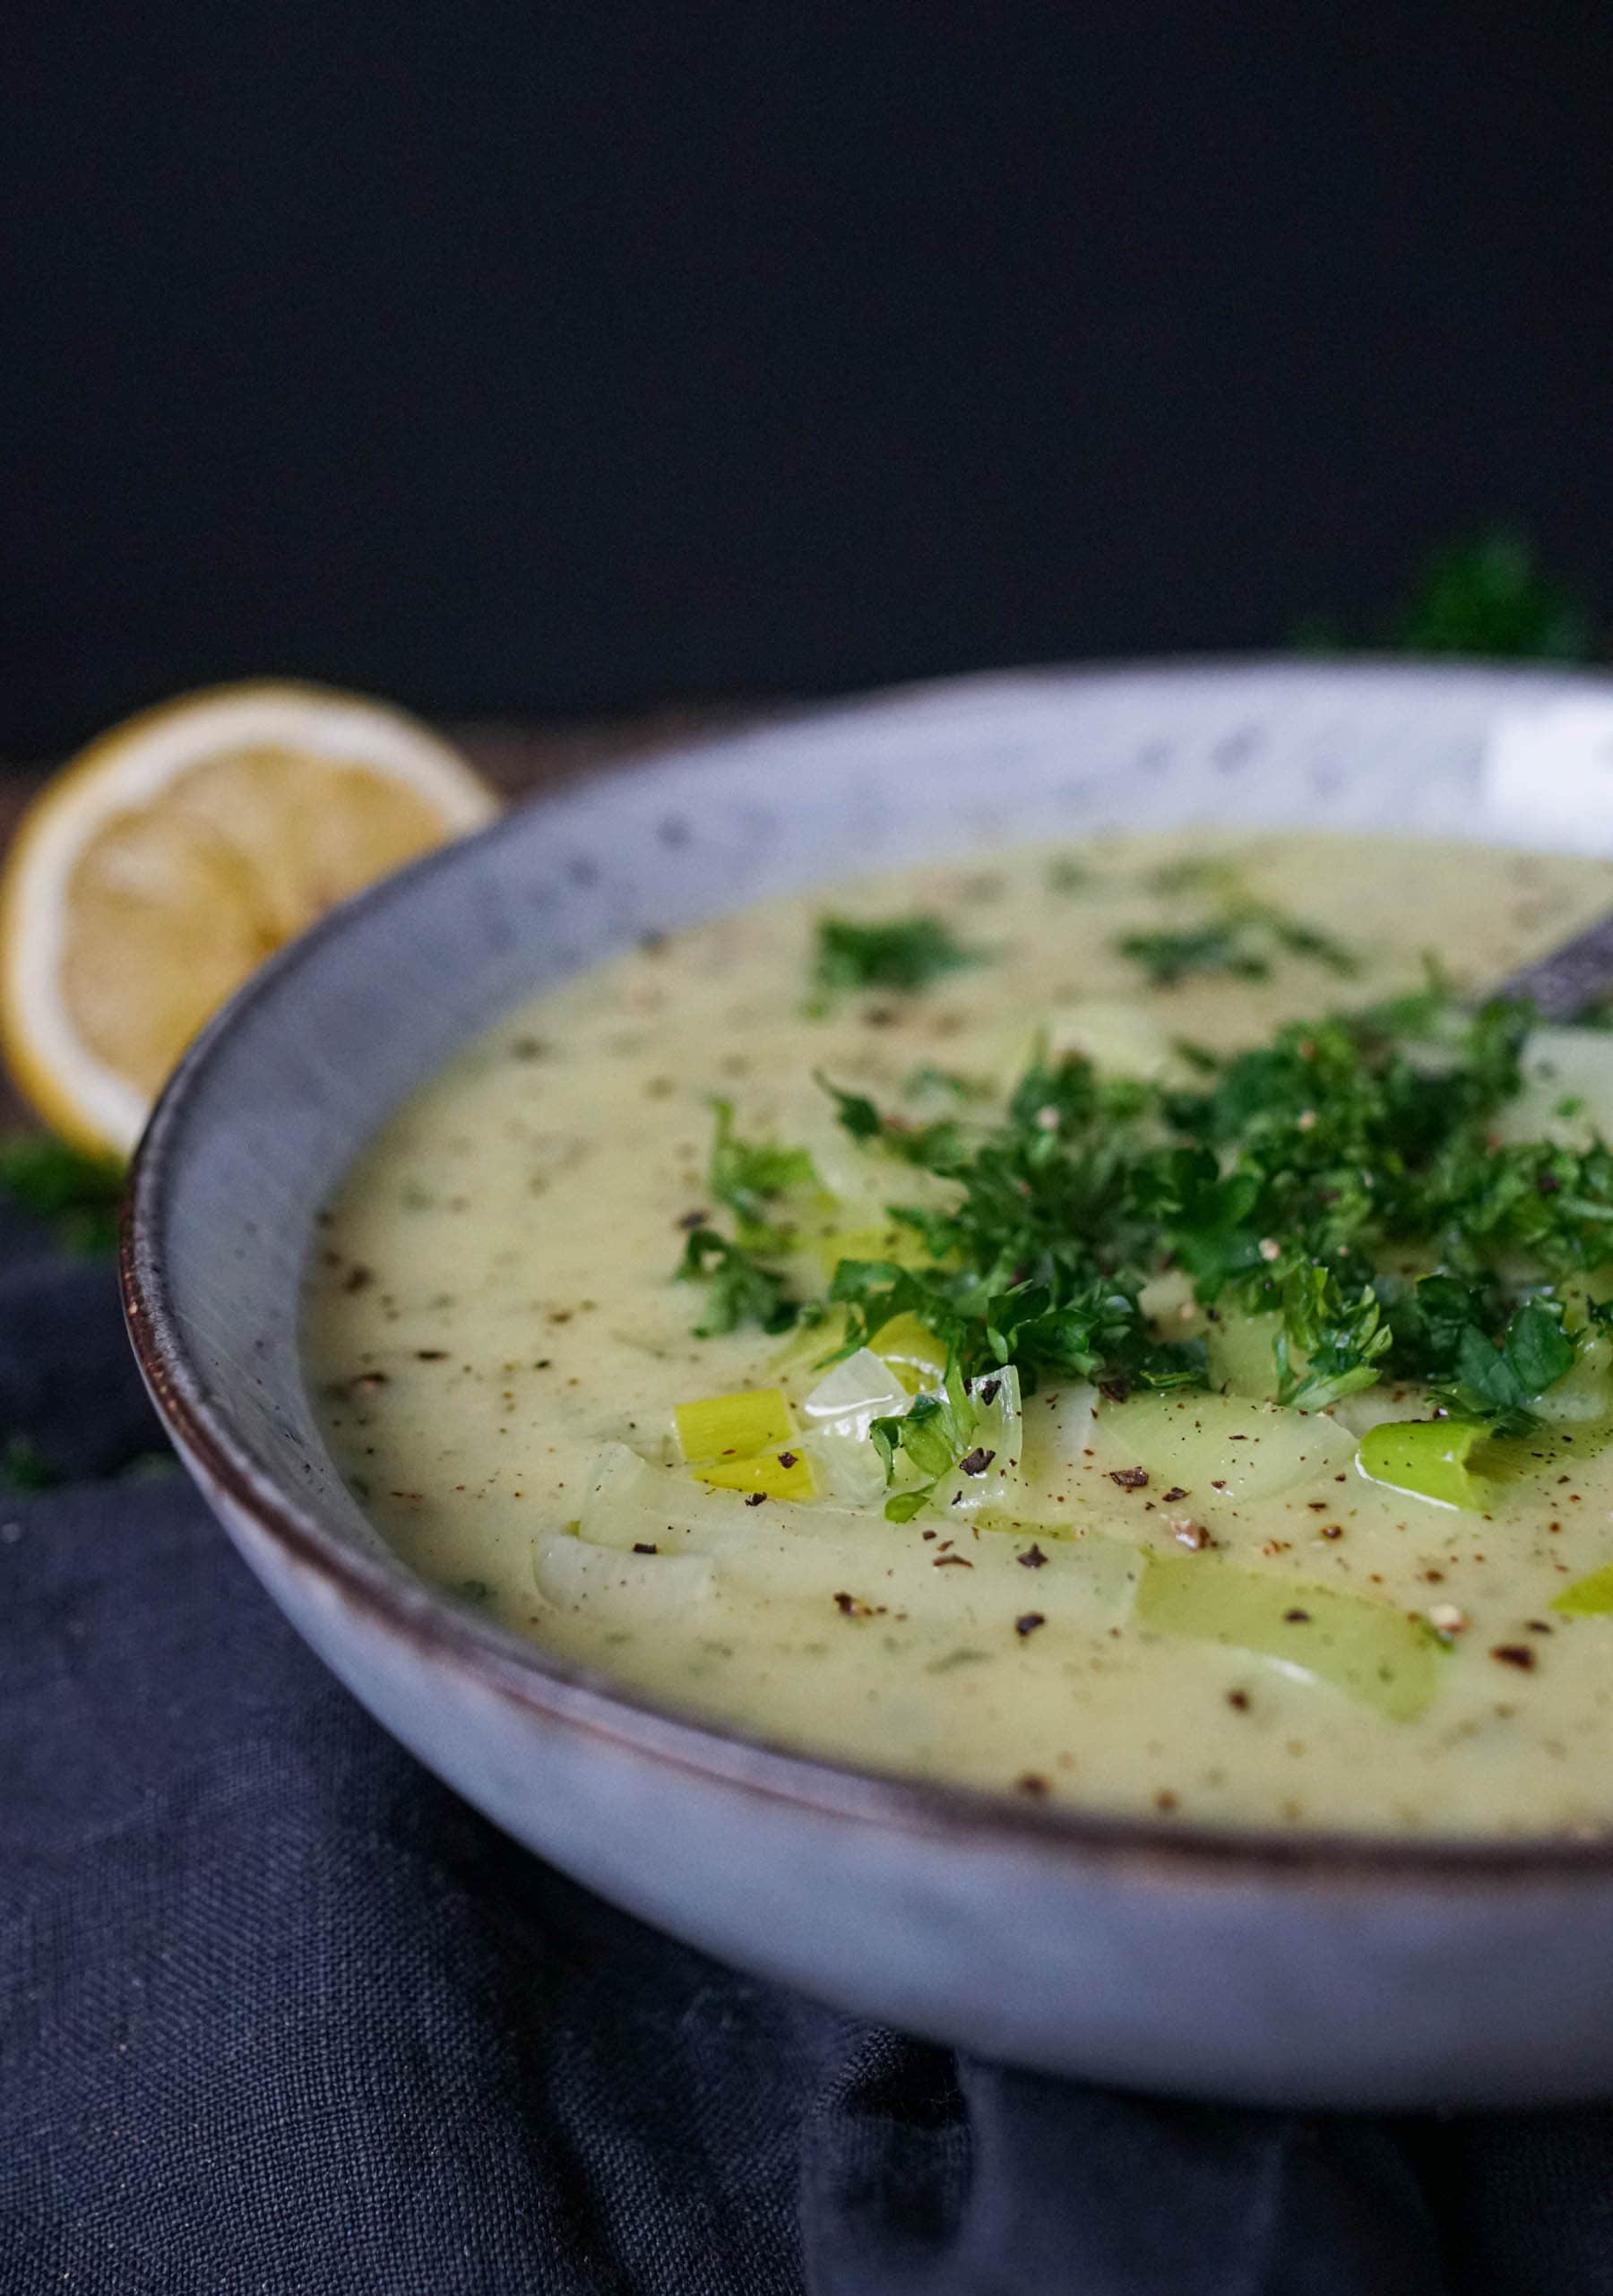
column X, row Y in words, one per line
column 567, row 358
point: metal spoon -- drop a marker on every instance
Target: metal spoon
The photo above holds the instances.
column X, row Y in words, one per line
column 1567, row 978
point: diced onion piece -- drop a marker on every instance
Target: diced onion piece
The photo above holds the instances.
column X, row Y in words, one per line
column 1586, row 1394
column 862, row 1176
column 852, row 1394
column 848, row 1470
column 1387, row 1659
column 776, row 1474
column 624, row 1489
column 635, row 1590
column 1428, row 1459
column 999, row 1413
column 733, row 1427
column 1251, row 1450
column 836, row 1417
column 1591, row 1597
column 1058, row 1434
column 1087, row 1582
column 988, row 1472
column 912, row 1350
column 1241, row 1358
column 1119, row 1038
column 858, row 1181
column 1370, row 1407
column 1563, row 1067
column 783, row 1551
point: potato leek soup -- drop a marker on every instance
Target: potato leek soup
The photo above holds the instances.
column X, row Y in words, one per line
column 1130, row 1326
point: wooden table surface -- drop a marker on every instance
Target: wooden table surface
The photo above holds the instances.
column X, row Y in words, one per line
column 518, row 759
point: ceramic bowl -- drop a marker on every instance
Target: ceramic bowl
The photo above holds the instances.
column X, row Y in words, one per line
column 1315, row 1969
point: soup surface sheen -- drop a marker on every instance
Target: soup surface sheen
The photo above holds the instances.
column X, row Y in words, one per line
column 497, row 1346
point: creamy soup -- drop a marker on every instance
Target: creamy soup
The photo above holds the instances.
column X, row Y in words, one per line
column 964, row 1324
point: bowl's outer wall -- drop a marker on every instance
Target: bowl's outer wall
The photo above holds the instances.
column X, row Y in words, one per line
column 1241, row 1974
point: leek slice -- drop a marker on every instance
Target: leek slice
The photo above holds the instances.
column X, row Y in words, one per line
column 776, row 1474
column 818, row 1334
column 733, row 1427
column 1387, row 1659
column 1429, row 1459
column 632, row 1502
column 1220, row 1446
column 903, row 1245
column 1591, row 1597
column 746, row 1442
column 912, row 1350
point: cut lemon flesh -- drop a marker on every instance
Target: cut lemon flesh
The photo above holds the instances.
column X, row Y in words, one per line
column 159, row 869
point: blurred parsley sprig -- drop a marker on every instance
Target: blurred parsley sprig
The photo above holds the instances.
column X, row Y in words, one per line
column 1484, row 596
column 75, row 1195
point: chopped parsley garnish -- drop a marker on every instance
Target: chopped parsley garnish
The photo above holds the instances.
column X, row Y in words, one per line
column 1342, row 1178
column 1343, row 1181
column 740, row 1288
column 1242, row 941
column 75, row 1194
column 934, row 1146
column 1490, row 597
column 934, row 1433
column 905, row 954
column 749, row 1177
column 929, row 1079
column 24, row 1468
column 1219, row 946
column 1486, row 595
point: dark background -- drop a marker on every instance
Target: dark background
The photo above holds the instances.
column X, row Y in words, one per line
column 573, row 358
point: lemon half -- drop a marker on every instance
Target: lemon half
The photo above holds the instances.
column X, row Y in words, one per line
column 152, row 875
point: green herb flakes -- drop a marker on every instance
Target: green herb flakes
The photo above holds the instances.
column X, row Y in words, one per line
column 76, row 1194
column 1242, row 942
column 903, row 954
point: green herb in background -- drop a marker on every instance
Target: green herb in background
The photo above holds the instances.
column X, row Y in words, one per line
column 24, row 1468
column 1241, row 942
column 749, row 1177
column 75, row 1194
column 149, row 1467
column 740, row 1289
column 1486, row 595
column 905, row 954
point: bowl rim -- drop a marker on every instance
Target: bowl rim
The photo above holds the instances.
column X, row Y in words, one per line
column 556, row 1691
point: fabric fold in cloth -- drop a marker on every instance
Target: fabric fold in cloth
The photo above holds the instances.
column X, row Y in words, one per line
column 278, row 2012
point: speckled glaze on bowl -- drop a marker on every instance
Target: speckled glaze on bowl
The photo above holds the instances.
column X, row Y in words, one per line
column 1301, row 1969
